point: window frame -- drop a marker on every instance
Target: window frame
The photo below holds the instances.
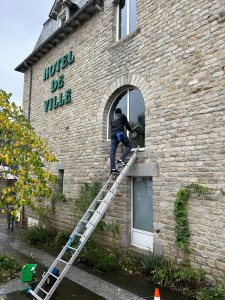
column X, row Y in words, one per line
column 128, row 21
column 128, row 115
column 62, row 15
column 138, row 231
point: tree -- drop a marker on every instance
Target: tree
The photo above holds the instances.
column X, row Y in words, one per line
column 26, row 155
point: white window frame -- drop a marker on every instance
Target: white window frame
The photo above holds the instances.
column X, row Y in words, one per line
column 118, row 21
column 64, row 13
column 128, row 115
column 138, row 231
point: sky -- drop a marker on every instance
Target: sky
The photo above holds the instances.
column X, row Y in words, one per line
column 21, row 25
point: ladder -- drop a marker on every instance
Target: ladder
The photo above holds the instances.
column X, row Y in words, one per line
column 80, row 235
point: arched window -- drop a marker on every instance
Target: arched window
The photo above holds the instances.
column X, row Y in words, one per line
column 132, row 104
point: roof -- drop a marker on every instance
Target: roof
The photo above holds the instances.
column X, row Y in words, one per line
column 52, row 35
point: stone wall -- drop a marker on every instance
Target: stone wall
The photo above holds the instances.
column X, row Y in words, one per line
column 176, row 58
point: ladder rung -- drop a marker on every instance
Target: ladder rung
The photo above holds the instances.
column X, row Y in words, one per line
column 99, row 200
column 85, row 222
column 43, row 290
column 91, row 210
column 78, row 234
column 53, row 275
column 35, row 295
column 74, row 249
column 105, row 191
column 63, row 261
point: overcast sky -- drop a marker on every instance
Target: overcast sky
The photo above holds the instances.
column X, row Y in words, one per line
column 21, row 25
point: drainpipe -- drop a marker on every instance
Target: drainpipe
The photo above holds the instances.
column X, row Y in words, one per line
column 30, row 89
column 28, row 117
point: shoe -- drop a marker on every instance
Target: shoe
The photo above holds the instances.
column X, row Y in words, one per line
column 121, row 163
column 115, row 172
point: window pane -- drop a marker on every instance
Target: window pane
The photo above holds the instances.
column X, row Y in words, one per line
column 121, row 102
column 63, row 20
column 142, row 204
column 123, row 19
column 133, row 15
column 137, row 117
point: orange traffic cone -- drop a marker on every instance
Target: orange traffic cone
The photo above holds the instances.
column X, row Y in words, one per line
column 157, row 297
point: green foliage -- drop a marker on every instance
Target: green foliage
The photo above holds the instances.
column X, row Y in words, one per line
column 150, row 263
column 44, row 212
column 38, row 237
column 180, row 213
column 62, row 238
column 58, row 196
column 103, row 226
column 165, row 273
column 99, row 258
column 212, row 293
column 88, row 193
column 26, row 154
column 8, row 268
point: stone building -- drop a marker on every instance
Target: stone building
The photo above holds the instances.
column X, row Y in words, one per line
column 163, row 63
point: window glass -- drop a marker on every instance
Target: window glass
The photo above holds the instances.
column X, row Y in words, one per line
column 60, row 180
column 122, row 19
column 63, row 20
column 133, row 106
column 120, row 102
column 143, row 204
column 137, row 117
column 127, row 17
column 133, row 15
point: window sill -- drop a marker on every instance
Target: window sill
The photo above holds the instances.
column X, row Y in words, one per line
column 125, row 39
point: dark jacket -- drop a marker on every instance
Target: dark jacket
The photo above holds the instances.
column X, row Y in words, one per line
column 118, row 122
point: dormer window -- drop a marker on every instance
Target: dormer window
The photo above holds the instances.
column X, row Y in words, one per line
column 62, row 18
column 62, row 11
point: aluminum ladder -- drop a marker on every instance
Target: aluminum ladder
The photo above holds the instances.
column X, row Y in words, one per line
column 81, row 233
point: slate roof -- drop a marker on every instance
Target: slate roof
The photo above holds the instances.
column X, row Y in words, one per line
column 52, row 35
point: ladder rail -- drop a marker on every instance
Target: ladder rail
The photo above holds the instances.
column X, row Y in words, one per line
column 86, row 236
column 90, row 225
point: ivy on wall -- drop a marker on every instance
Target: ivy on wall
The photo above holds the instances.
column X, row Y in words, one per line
column 180, row 213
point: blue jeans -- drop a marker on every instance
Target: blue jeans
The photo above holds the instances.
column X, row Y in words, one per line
column 114, row 144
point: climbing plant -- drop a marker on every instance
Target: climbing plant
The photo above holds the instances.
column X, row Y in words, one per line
column 180, row 213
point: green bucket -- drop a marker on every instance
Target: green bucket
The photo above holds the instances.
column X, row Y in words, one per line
column 28, row 272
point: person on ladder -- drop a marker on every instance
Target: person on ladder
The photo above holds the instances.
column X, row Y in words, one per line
column 118, row 135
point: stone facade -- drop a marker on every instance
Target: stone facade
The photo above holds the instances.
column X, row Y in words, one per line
column 176, row 58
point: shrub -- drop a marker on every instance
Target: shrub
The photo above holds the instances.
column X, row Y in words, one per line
column 8, row 268
column 99, row 258
column 62, row 238
column 38, row 237
column 163, row 272
column 212, row 293
column 149, row 264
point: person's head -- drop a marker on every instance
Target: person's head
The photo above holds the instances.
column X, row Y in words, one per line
column 118, row 111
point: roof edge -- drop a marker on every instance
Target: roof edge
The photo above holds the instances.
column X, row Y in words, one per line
column 82, row 15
